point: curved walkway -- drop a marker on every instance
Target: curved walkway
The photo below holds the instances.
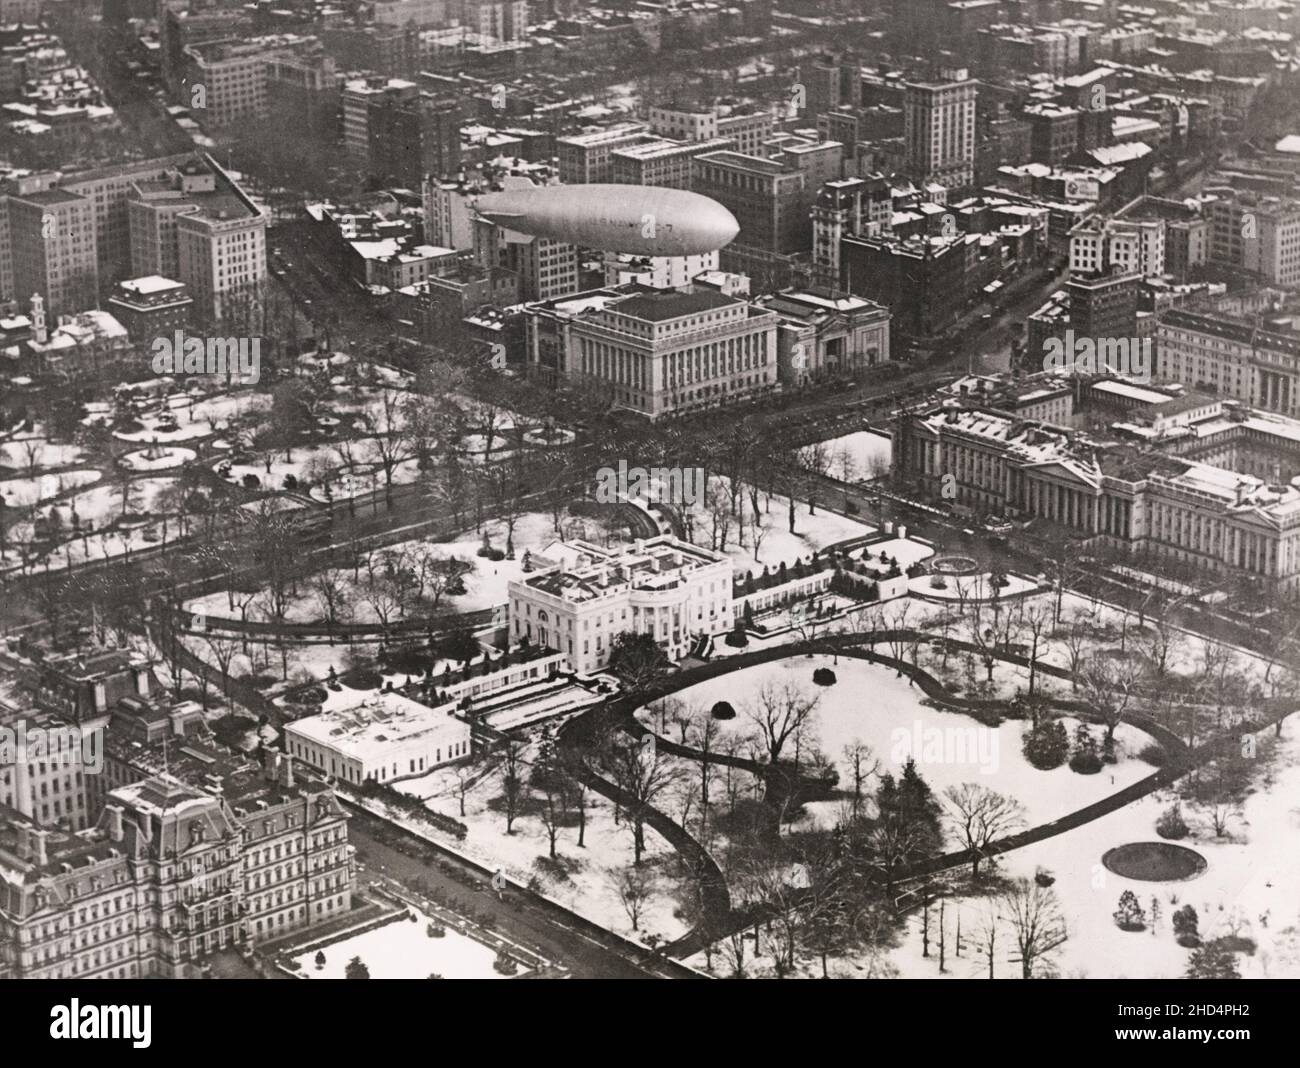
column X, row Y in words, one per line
column 1181, row 758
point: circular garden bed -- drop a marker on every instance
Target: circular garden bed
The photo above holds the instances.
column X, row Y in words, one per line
column 1154, row 862
column 954, row 565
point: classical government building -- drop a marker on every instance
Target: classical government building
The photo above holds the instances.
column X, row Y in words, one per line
column 1138, row 494
column 656, row 351
column 171, row 848
column 172, row 873
column 1232, row 355
column 583, row 596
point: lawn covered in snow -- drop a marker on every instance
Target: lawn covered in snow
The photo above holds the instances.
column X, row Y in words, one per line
column 581, row 880
column 860, row 456
column 870, row 704
column 403, row 949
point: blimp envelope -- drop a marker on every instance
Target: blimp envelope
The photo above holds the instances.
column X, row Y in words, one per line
column 638, row 219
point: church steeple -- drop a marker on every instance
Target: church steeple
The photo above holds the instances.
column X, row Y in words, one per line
column 39, row 333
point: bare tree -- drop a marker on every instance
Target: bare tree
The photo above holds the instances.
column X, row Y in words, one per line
column 986, row 936
column 779, row 713
column 706, row 735
column 464, row 780
column 643, row 773
column 332, row 596
column 814, row 460
column 1063, row 568
column 863, row 763
column 1035, row 623
column 1163, row 644
column 551, row 812
column 981, row 816
column 1109, row 687
column 573, row 762
column 513, row 789
column 388, row 435
column 1036, row 923
column 1076, row 637
column 223, row 651
column 633, row 886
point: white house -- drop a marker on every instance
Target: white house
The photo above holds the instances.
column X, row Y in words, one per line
column 584, row 596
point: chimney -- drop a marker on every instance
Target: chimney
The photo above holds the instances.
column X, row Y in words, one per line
column 39, row 855
column 269, row 762
column 286, row 771
column 115, row 829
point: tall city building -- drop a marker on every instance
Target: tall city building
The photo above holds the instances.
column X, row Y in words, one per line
column 179, row 29
column 661, row 162
column 192, row 224
column 1104, row 305
column 585, row 157
column 746, row 129
column 355, row 101
column 191, row 183
column 400, row 133
column 1259, row 234
column 939, row 130
column 52, row 249
column 546, row 268
column 847, row 207
column 770, row 198
column 1131, row 245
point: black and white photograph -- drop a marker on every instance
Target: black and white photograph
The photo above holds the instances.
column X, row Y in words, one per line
column 709, row 490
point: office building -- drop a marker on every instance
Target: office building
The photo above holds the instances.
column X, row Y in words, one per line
column 657, row 351
column 939, row 130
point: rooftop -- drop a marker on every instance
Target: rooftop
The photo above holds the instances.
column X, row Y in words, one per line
column 150, row 284
column 662, row 305
column 376, row 721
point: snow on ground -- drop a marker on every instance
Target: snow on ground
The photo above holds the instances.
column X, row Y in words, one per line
column 301, row 458
column 777, row 545
column 859, row 456
column 869, row 703
column 305, row 662
column 196, row 418
column 99, row 507
column 485, row 585
column 907, row 551
column 367, row 475
column 1251, row 887
column 968, row 587
column 586, row 887
column 25, row 492
column 29, row 452
column 103, row 503
column 402, row 949
column 165, row 458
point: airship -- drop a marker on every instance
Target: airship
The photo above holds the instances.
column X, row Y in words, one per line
column 643, row 220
